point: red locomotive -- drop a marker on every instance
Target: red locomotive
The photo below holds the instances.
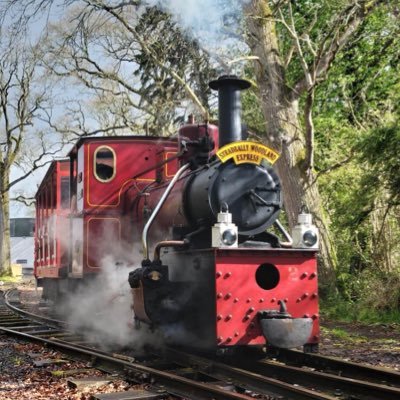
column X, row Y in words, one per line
column 199, row 206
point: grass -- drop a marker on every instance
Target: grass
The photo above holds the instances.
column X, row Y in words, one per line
column 69, row 372
column 9, row 279
column 340, row 310
column 17, row 360
column 340, row 333
column 343, row 335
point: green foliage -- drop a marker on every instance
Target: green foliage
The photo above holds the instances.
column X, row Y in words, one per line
column 342, row 309
column 381, row 150
column 7, row 277
column 340, row 333
column 357, row 137
column 357, row 147
column 251, row 105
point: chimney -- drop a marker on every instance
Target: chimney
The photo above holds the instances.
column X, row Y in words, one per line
column 229, row 107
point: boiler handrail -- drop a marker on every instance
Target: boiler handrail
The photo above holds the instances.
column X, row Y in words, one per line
column 157, row 209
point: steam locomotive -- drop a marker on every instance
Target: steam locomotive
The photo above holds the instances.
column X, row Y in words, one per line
column 201, row 212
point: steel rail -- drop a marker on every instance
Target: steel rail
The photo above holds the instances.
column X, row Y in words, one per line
column 244, row 378
column 247, row 374
column 173, row 384
column 32, row 316
column 344, row 368
column 323, row 381
column 254, row 372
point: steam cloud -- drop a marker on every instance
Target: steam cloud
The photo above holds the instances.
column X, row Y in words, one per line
column 214, row 23
column 102, row 310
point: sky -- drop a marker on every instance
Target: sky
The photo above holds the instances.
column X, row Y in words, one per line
column 210, row 28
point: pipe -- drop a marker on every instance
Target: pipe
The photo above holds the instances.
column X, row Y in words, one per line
column 229, row 107
column 289, row 239
column 168, row 243
column 157, row 209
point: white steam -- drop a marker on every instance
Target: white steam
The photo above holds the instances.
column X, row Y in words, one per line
column 215, row 24
column 102, row 310
column 196, row 15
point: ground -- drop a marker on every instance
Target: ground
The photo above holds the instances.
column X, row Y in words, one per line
column 374, row 344
column 377, row 345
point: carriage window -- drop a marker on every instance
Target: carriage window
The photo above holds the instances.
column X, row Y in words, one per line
column 65, row 192
column 104, row 164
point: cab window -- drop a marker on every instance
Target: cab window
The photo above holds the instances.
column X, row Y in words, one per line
column 104, row 164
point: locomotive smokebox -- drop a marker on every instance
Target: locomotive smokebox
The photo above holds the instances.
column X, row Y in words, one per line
column 229, row 107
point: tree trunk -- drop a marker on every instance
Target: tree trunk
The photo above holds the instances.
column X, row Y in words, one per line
column 284, row 131
column 5, row 255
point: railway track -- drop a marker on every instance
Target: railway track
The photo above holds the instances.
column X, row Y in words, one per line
column 292, row 375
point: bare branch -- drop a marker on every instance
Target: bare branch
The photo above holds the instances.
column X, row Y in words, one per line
column 28, row 201
column 309, row 125
column 150, row 53
column 333, row 167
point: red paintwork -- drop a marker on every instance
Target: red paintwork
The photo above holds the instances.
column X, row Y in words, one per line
column 51, row 222
column 171, row 212
column 107, row 218
column 239, row 298
column 133, row 155
column 193, row 132
column 107, row 208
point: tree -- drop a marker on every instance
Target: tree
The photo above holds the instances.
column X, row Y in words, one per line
column 135, row 61
column 296, row 45
column 21, row 102
column 124, row 54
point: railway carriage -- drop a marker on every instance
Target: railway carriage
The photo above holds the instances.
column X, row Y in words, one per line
column 52, row 227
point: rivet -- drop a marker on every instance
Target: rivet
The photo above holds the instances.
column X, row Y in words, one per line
column 235, row 300
column 261, row 300
column 313, row 275
column 218, row 274
column 228, row 296
column 273, row 300
column 229, row 339
column 219, row 295
column 248, row 300
column 250, row 310
column 315, row 316
column 304, row 275
column 314, row 295
column 306, row 316
column 219, row 317
column 236, row 334
column 286, row 300
column 298, row 300
column 252, row 325
column 220, row 338
column 228, row 317
column 246, row 317
column 305, row 295
column 228, row 274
